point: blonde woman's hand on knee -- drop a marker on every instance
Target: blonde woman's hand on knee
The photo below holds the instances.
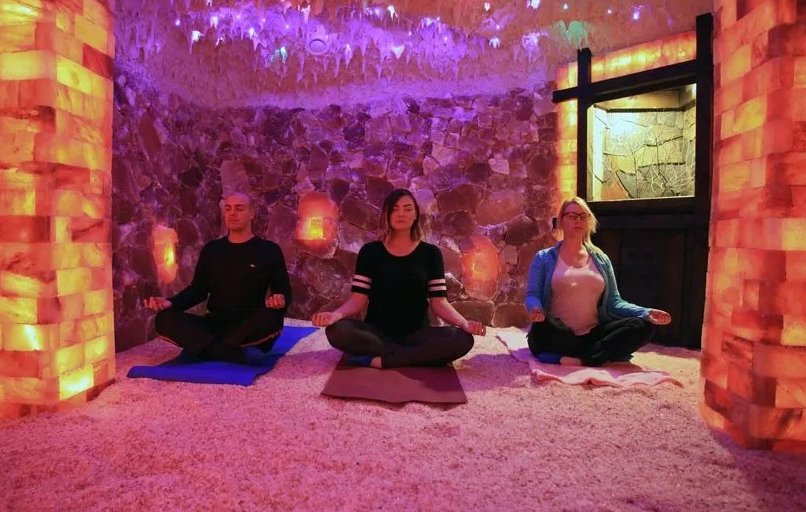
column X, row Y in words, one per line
column 659, row 317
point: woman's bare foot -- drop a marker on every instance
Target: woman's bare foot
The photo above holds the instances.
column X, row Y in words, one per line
column 376, row 362
column 570, row 361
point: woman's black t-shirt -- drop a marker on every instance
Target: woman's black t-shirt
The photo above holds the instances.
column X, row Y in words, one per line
column 399, row 286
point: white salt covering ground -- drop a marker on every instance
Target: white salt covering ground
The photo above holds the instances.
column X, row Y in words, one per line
column 279, row 445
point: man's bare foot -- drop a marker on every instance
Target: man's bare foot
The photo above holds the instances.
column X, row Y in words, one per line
column 570, row 361
column 376, row 362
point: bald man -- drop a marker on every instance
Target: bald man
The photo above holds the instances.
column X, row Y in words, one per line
column 245, row 282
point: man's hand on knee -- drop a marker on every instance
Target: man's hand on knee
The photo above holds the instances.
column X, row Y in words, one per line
column 276, row 301
column 157, row 303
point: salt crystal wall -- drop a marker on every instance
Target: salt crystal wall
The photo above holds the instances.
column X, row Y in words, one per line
column 754, row 337
column 480, row 166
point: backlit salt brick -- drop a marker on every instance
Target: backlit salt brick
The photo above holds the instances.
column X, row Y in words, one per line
column 64, row 18
column 17, row 38
column 779, row 361
column 800, row 71
column 714, row 369
column 790, row 393
column 793, row 232
column 98, row 349
column 794, row 332
column 97, row 301
column 72, row 280
column 67, row 255
column 76, row 382
column 726, row 232
column 740, row 382
column 88, row 230
column 16, row 13
column 66, row 202
column 95, row 254
column 712, row 417
column 27, row 337
column 17, row 202
column 18, row 310
column 27, row 65
column 750, row 115
column 92, row 34
column 63, row 43
column 104, row 370
column 28, row 390
column 737, row 65
column 38, row 285
column 778, row 137
column 717, row 397
column 17, row 147
column 771, row 423
column 20, row 364
column 730, row 151
column 729, row 96
column 66, row 360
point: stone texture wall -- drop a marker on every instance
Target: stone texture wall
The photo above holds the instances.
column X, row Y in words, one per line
column 646, row 154
column 480, row 167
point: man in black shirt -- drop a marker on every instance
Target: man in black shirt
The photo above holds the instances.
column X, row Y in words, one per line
column 245, row 282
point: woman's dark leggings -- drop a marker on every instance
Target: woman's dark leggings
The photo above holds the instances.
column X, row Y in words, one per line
column 428, row 346
column 612, row 341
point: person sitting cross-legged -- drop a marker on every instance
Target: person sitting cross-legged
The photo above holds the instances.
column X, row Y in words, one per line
column 398, row 278
column 577, row 314
column 234, row 274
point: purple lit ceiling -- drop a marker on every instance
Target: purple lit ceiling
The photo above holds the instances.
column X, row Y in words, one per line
column 307, row 53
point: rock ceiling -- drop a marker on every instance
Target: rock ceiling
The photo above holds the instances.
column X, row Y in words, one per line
column 314, row 52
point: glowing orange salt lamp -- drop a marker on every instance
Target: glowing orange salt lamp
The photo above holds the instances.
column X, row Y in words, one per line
column 164, row 252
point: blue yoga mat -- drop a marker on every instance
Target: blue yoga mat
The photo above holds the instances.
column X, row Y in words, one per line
column 187, row 369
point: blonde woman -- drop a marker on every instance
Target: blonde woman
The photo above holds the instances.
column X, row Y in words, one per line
column 398, row 278
column 577, row 314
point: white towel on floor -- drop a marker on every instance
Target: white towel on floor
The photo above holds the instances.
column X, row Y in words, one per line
column 613, row 374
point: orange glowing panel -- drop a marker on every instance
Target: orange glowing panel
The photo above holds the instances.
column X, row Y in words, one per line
column 314, row 228
column 318, row 219
column 480, row 267
column 671, row 50
column 164, row 252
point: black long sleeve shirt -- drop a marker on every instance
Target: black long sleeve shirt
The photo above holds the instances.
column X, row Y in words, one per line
column 235, row 278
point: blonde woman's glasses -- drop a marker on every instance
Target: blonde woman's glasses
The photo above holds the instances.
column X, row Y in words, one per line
column 577, row 216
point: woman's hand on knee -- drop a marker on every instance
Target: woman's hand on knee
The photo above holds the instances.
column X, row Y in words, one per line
column 537, row 315
column 325, row 318
column 474, row 327
column 659, row 317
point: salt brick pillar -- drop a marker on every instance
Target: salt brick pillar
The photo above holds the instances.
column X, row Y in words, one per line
column 754, row 337
column 56, row 325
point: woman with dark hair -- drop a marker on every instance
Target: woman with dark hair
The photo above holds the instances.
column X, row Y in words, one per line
column 398, row 278
column 578, row 316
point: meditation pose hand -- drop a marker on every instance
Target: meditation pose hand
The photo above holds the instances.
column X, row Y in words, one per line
column 659, row 317
column 325, row 318
column 474, row 327
column 537, row 315
column 275, row 301
column 156, row 303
